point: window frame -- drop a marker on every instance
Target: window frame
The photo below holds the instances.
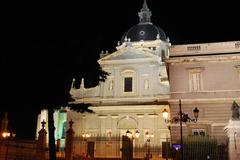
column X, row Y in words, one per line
column 198, row 83
column 128, row 73
column 199, row 131
column 128, row 84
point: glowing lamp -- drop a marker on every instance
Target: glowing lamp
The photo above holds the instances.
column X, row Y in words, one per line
column 129, row 134
column 165, row 114
column 137, row 134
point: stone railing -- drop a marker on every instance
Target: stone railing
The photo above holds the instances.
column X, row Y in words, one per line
column 205, row 48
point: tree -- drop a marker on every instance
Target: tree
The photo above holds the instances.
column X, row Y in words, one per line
column 93, row 77
column 60, row 44
column 59, row 96
column 43, row 82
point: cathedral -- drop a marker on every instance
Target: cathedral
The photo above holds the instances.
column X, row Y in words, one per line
column 149, row 75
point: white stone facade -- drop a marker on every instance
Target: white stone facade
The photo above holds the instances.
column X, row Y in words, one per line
column 116, row 110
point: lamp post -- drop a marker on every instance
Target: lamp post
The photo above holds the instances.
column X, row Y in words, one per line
column 128, row 144
column 132, row 136
column 181, row 138
column 85, row 137
column 183, row 117
column 148, row 155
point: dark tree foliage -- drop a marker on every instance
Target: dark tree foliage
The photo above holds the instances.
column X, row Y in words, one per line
column 49, row 44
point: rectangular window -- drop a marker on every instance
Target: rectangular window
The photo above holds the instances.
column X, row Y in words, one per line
column 128, row 84
column 195, row 80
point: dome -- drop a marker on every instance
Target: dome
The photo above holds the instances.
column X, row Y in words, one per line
column 145, row 30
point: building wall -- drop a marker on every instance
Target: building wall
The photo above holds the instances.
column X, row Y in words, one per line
column 218, row 78
column 116, row 120
column 219, row 85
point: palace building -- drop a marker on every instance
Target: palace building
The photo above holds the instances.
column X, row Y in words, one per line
column 147, row 75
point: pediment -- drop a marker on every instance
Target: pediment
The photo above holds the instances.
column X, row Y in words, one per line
column 128, row 53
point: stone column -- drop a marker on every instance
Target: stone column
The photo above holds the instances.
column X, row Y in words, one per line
column 69, row 142
column 41, row 143
column 233, row 131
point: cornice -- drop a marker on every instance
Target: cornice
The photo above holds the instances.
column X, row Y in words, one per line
column 204, row 100
column 160, row 99
column 127, row 108
column 130, row 61
column 211, row 58
column 205, row 49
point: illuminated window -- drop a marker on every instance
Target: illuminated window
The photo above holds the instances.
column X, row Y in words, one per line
column 195, row 80
column 128, row 84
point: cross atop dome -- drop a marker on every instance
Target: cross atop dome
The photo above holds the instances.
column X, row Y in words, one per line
column 145, row 14
column 145, row 6
column 144, row 30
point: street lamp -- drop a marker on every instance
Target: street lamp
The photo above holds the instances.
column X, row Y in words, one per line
column 137, row 134
column 148, row 155
column 127, row 145
column 182, row 117
column 129, row 134
column 5, row 135
column 85, row 137
column 196, row 112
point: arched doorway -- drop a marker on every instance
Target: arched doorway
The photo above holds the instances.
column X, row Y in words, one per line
column 127, row 123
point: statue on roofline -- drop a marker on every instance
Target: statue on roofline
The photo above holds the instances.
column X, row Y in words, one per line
column 235, row 111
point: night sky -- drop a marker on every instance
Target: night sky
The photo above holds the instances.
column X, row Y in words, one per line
column 36, row 60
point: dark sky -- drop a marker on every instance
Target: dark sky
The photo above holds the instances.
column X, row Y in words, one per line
column 35, row 60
